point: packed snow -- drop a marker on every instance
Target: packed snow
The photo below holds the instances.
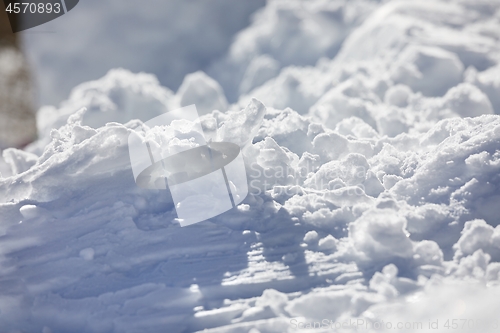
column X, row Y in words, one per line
column 371, row 138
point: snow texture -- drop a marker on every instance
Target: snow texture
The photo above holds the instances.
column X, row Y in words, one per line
column 371, row 138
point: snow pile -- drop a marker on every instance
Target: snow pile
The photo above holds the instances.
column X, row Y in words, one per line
column 287, row 33
column 373, row 178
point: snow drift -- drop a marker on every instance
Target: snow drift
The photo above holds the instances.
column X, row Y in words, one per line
column 374, row 180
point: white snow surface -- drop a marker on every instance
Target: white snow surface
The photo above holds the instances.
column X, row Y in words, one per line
column 374, row 177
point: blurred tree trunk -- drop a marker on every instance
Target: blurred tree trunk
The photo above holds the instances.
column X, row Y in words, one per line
column 17, row 116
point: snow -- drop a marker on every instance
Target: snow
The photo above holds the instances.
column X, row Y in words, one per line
column 170, row 38
column 370, row 133
column 201, row 90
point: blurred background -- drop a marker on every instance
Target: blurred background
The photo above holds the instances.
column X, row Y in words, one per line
column 17, row 106
column 167, row 38
column 170, row 39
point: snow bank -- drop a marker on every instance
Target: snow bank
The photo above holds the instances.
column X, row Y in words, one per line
column 287, row 33
column 373, row 186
